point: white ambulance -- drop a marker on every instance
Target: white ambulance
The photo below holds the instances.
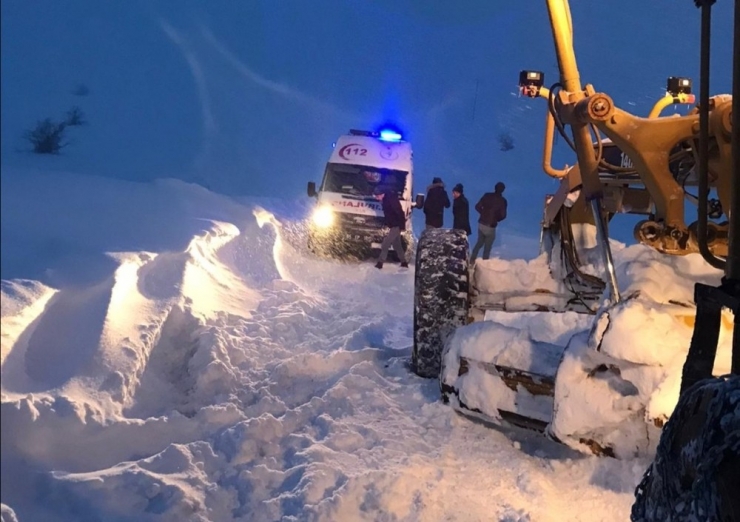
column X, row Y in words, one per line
column 348, row 220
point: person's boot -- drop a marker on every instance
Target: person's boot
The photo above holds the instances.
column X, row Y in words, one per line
column 379, row 265
column 404, row 265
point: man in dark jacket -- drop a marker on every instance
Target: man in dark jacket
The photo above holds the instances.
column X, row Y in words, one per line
column 395, row 219
column 460, row 210
column 435, row 204
column 492, row 209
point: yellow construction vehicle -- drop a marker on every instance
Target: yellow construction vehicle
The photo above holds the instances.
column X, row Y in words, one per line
column 624, row 164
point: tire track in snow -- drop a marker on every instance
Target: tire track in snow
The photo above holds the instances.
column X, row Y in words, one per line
column 392, row 449
column 313, row 386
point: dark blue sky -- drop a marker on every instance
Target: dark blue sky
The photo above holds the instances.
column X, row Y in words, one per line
column 247, row 97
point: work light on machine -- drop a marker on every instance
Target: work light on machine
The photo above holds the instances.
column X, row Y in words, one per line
column 323, row 217
column 530, row 82
column 676, row 85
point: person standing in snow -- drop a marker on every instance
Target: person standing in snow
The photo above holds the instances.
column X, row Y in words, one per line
column 460, row 210
column 492, row 209
column 436, row 202
column 395, row 220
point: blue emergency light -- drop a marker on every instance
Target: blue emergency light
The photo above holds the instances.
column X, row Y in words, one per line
column 389, row 135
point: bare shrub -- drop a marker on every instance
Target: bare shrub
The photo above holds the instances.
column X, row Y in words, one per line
column 47, row 137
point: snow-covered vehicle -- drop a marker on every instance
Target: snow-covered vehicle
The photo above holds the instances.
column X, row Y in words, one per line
column 347, row 220
column 593, row 363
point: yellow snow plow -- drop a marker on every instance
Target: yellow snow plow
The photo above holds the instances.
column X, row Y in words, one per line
column 585, row 345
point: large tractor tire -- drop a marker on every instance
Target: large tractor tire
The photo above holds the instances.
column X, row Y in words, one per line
column 441, row 297
column 696, row 471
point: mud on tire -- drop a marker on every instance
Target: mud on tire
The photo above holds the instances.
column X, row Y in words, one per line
column 440, row 295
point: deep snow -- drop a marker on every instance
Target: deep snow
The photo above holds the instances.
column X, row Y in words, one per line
column 169, row 353
column 180, row 357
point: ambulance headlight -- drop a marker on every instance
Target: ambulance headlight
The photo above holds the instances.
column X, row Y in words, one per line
column 323, row 217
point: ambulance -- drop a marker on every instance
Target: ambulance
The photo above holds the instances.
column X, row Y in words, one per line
column 347, row 220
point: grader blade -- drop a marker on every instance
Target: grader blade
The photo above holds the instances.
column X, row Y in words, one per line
column 538, row 390
column 523, row 396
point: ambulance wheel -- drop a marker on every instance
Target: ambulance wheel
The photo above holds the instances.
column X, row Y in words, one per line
column 441, row 298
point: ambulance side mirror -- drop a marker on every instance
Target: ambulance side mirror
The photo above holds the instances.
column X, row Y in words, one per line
column 311, row 189
column 419, row 201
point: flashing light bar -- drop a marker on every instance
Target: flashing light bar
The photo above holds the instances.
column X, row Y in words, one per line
column 389, row 135
column 384, row 135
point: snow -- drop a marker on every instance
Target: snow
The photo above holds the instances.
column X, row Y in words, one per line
column 174, row 354
column 617, row 375
column 520, row 275
column 528, row 341
column 169, row 353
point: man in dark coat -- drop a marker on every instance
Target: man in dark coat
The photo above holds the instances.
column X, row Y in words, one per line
column 435, row 204
column 460, row 210
column 395, row 219
column 492, row 209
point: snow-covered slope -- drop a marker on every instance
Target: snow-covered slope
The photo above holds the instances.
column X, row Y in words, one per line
column 180, row 357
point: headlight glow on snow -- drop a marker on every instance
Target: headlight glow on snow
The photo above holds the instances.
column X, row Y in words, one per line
column 323, row 217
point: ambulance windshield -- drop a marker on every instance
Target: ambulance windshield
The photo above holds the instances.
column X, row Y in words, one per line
column 361, row 180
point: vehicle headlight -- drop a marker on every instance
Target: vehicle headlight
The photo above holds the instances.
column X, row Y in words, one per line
column 323, row 217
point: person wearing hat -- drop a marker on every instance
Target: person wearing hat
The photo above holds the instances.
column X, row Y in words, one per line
column 492, row 209
column 395, row 219
column 435, row 204
column 460, row 210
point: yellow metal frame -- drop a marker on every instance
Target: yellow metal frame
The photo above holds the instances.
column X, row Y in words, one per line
column 647, row 141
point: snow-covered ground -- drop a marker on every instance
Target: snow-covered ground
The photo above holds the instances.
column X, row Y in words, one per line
column 175, row 355
column 172, row 354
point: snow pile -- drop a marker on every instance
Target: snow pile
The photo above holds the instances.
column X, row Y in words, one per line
column 616, row 376
column 496, row 275
column 643, row 341
column 539, row 283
